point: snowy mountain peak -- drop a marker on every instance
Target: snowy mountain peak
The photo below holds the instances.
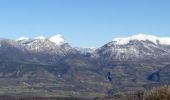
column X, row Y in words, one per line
column 143, row 37
column 57, row 39
column 22, row 38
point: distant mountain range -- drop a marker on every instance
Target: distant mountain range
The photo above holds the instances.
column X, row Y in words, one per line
column 51, row 66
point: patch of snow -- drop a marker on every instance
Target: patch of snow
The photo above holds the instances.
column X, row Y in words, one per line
column 164, row 40
column 40, row 38
column 86, row 50
column 22, row 38
column 57, row 39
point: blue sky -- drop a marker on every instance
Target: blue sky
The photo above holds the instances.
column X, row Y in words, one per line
column 87, row 23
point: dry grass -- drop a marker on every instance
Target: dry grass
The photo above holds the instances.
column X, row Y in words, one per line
column 159, row 93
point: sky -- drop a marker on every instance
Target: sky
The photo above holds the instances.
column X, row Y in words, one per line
column 85, row 23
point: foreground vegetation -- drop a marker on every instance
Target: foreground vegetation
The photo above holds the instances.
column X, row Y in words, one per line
column 157, row 93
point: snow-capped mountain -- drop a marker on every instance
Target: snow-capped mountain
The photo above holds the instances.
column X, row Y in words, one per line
column 38, row 49
column 51, row 45
column 136, row 47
